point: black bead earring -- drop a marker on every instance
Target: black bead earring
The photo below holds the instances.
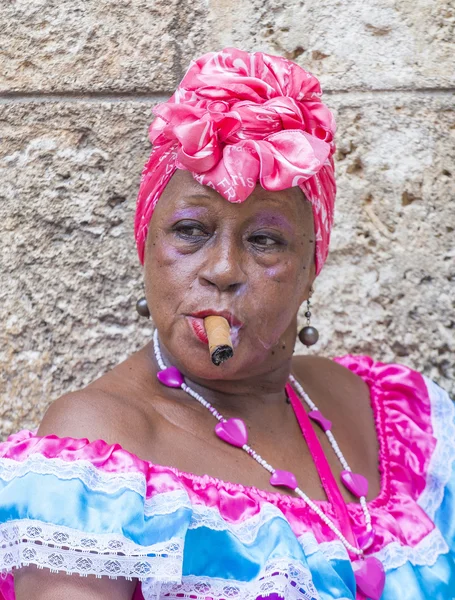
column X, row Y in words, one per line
column 142, row 308
column 308, row 335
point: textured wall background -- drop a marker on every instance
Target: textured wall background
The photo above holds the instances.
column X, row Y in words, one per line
column 77, row 83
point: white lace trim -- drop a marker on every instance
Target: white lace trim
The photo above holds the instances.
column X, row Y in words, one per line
column 392, row 556
column 331, row 550
column 167, row 503
column 60, row 548
column 440, row 469
column 95, row 479
column 425, row 553
column 59, row 536
column 246, row 531
column 288, row 579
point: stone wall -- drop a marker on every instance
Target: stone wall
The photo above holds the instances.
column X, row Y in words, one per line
column 77, row 83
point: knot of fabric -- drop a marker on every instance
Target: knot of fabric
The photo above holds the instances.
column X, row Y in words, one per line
column 237, row 119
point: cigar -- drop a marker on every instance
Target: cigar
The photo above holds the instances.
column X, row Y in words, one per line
column 220, row 344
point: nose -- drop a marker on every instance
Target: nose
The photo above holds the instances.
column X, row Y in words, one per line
column 222, row 267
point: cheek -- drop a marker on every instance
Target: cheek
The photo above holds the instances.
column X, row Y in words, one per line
column 166, row 265
column 286, row 276
column 163, row 278
column 275, row 300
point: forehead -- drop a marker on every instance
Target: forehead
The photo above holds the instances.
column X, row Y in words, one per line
column 183, row 191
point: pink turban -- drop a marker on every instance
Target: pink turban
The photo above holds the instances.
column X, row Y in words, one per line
column 238, row 118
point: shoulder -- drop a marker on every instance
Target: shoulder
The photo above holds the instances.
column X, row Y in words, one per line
column 88, row 413
column 355, row 379
column 329, row 375
column 359, row 371
column 336, row 391
column 114, row 409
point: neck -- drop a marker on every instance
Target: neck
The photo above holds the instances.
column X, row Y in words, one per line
column 240, row 397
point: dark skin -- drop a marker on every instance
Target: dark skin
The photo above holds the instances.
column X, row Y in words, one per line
column 256, row 260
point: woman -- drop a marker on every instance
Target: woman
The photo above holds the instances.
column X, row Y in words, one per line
column 127, row 483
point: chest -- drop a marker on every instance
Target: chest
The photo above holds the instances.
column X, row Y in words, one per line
column 185, row 439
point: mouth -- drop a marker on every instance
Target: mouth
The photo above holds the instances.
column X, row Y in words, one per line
column 196, row 321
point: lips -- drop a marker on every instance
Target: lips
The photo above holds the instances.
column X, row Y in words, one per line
column 198, row 327
column 230, row 318
column 196, row 321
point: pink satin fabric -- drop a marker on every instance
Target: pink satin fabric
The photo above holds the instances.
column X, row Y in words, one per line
column 402, row 412
column 237, row 119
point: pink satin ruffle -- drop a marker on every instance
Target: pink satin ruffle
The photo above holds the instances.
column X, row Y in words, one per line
column 402, row 412
column 238, row 118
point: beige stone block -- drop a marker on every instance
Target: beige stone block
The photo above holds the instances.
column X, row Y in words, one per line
column 124, row 46
column 349, row 45
column 96, row 45
column 69, row 275
column 388, row 289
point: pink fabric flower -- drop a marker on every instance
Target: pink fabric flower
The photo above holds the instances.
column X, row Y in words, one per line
column 237, row 119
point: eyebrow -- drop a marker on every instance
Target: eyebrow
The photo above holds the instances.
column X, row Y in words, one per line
column 188, row 212
column 268, row 217
column 192, row 200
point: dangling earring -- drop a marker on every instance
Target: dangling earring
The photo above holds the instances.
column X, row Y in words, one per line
column 308, row 335
column 142, row 308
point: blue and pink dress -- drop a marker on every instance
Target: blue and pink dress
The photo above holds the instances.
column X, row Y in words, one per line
column 92, row 508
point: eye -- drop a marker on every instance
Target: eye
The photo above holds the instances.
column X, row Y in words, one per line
column 266, row 241
column 263, row 240
column 190, row 230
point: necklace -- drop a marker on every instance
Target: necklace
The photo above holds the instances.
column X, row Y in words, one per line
column 369, row 572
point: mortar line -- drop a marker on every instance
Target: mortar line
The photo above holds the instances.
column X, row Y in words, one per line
column 153, row 97
column 406, row 90
column 73, row 97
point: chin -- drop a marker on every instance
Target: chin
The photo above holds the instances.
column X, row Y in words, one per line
column 197, row 364
column 194, row 360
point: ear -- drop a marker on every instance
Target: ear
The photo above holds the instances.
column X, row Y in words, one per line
column 311, row 279
column 308, row 284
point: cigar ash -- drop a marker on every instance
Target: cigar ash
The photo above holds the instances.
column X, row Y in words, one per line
column 221, row 354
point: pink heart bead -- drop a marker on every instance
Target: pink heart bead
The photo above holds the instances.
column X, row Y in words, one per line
column 171, row 377
column 233, row 432
column 357, row 484
column 370, row 577
column 318, row 417
column 284, row 478
column 366, row 539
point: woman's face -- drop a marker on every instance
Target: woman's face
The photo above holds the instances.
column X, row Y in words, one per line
column 253, row 262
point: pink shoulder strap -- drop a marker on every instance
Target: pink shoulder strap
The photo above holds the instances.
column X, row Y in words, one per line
column 322, row 466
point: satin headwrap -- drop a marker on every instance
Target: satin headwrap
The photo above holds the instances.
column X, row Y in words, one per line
column 237, row 119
